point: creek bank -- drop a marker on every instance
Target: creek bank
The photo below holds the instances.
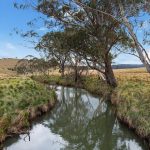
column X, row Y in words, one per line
column 22, row 100
column 125, row 110
column 132, row 99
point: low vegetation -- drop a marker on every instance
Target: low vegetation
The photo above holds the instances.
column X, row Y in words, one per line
column 91, row 83
column 21, row 100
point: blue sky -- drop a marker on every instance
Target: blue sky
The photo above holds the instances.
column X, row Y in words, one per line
column 15, row 46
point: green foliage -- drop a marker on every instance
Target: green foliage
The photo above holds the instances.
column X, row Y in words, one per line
column 32, row 64
column 55, row 47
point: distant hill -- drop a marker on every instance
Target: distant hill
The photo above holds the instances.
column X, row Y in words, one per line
column 126, row 66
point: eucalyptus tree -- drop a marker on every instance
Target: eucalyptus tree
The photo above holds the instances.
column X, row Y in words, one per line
column 128, row 13
column 99, row 54
column 77, row 63
column 33, row 65
column 21, row 66
column 54, row 45
column 104, row 31
column 134, row 9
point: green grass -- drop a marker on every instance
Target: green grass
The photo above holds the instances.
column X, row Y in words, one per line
column 134, row 105
column 90, row 83
column 17, row 97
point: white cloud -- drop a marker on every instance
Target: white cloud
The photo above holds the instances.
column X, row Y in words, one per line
column 10, row 46
column 145, row 24
column 11, row 50
column 43, row 29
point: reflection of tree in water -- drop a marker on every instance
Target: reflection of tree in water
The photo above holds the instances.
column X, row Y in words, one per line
column 85, row 123
column 86, row 127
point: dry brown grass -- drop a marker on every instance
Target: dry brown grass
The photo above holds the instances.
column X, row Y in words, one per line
column 135, row 74
column 139, row 74
column 131, row 70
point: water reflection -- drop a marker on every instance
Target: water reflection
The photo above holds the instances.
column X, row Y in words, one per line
column 80, row 121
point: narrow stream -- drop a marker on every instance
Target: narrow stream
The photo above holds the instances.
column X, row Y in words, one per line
column 80, row 121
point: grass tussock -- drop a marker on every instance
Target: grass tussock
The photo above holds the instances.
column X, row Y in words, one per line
column 18, row 96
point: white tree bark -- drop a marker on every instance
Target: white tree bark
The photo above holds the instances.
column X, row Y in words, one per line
column 139, row 48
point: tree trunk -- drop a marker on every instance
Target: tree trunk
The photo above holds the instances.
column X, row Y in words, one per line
column 109, row 74
column 76, row 74
column 62, row 70
column 76, row 69
column 139, row 48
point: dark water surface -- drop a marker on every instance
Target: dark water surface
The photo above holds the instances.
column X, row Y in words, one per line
column 80, row 121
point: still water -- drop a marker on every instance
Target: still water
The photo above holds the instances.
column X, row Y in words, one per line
column 80, row 121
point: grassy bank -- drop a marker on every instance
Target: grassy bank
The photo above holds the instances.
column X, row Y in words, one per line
column 21, row 100
column 131, row 97
column 133, row 105
column 90, row 83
